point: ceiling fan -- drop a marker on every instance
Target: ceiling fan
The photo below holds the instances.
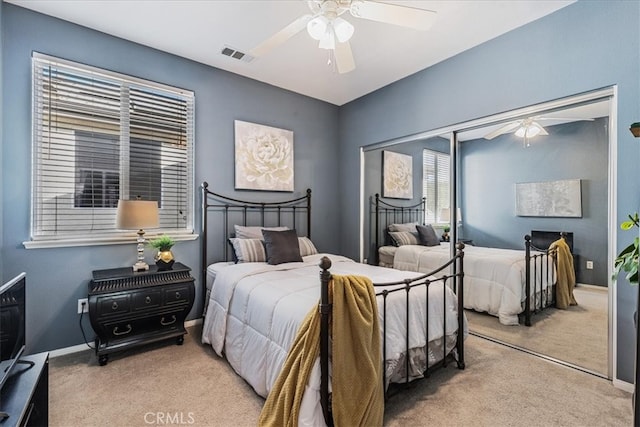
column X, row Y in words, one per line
column 333, row 32
column 529, row 127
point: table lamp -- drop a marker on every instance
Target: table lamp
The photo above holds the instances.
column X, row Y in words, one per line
column 137, row 215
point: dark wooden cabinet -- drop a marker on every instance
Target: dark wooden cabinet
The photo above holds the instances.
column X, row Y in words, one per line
column 128, row 308
column 25, row 395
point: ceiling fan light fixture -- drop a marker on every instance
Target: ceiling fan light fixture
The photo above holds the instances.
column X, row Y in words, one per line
column 528, row 130
column 328, row 41
column 317, row 27
column 343, row 29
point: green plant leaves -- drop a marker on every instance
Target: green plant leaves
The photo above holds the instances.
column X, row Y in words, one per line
column 627, row 259
column 162, row 243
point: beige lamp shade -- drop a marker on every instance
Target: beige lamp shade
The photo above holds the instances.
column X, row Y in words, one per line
column 445, row 215
column 137, row 214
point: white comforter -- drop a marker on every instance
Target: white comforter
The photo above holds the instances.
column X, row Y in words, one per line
column 494, row 279
column 254, row 311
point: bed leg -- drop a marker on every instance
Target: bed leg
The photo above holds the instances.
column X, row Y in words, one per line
column 527, row 273
column 460, row 295
column 325, row 312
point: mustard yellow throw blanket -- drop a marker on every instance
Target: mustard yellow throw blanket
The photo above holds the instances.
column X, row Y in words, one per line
column 357, row 393
column 566, row 274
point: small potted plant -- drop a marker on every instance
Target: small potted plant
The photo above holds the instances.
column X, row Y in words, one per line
column 164, row 257
column 445, row 233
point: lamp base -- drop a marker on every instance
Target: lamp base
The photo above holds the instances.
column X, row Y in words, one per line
column 140, row 266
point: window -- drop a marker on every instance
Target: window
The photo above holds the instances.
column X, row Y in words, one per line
column 435, row 187
column 99, row 137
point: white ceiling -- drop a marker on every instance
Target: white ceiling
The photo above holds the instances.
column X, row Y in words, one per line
column 383, row 53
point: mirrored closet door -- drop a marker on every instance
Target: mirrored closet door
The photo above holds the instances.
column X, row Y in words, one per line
column 562, row 145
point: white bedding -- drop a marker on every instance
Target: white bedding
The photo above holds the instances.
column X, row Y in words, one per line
column 494, row 279
column 254, row 311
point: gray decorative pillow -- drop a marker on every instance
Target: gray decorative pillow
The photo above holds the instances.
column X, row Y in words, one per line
column 401, row 238
column 244, row 232
column 427, row 235
column 249, row 250
column 306, row 246
column 407, row 226
column 281, row 246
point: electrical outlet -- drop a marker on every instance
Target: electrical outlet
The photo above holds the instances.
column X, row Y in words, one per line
column 83, row 305
column 589, row 265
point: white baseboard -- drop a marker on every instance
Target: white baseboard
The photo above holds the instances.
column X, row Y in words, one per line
column 82, row 347
column 68, row 350
column 193, row 322
column 623, row 385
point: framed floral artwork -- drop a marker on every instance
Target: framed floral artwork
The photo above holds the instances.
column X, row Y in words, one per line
column 397, row 175
column 264, row 157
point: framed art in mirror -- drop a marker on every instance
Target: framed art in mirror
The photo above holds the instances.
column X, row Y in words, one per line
column 397, row 175
column 549, row 199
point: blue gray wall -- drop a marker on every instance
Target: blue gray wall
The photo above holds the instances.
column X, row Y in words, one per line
column 58, row 277
column 490, row 170
column 587, row 45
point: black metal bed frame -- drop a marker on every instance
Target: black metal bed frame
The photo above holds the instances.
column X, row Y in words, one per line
column 290, row 208
column 537, row 260
column 390, row 214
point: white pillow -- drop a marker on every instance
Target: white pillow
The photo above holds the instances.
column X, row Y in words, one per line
column 244, row 232
column 306, row 246
column 249, row 250
column 407, row 226
column 401, row 238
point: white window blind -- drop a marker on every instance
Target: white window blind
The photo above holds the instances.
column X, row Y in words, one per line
column 435, row 187
column 98, row 137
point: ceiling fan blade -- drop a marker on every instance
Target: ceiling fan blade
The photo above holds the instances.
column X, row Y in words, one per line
column 418, row 19
column 503, row 129
column 281, row 36
column 543, row 131
column 344, row 58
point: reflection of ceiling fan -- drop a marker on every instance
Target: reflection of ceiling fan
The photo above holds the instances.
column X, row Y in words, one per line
column 529, row 127
column 333, row 32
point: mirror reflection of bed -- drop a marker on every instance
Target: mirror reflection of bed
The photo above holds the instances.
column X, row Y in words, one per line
column 486, row 172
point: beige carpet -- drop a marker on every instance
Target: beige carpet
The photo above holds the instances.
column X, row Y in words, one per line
column 577, row 335
column 189, row 385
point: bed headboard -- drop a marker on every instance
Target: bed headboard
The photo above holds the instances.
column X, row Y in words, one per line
column 383, row 213
column 220, row 214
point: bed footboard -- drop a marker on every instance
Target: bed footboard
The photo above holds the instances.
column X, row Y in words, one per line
column 452, row 273
column 540, row 279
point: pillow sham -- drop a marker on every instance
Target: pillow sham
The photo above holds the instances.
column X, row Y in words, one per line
column 281, row 246
column 248, row 250
column 401, row 238
column 306, row 246
column 245, row 232
column 427, row 235
column 407, row 226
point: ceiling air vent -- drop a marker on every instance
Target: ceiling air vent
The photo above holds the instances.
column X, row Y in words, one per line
column 236, row 54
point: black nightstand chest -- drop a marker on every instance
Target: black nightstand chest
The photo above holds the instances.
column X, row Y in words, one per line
column 128, row 308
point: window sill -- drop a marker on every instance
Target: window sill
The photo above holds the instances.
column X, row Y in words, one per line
column 101, row 240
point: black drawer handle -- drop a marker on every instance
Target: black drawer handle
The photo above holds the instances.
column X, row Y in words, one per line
column 147, row 300
column 114, row 305
column 177, row 294
column 165, row 323
column 115, row 330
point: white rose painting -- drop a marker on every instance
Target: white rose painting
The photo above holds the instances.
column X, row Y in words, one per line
column 264, row 157
column 397, row 175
